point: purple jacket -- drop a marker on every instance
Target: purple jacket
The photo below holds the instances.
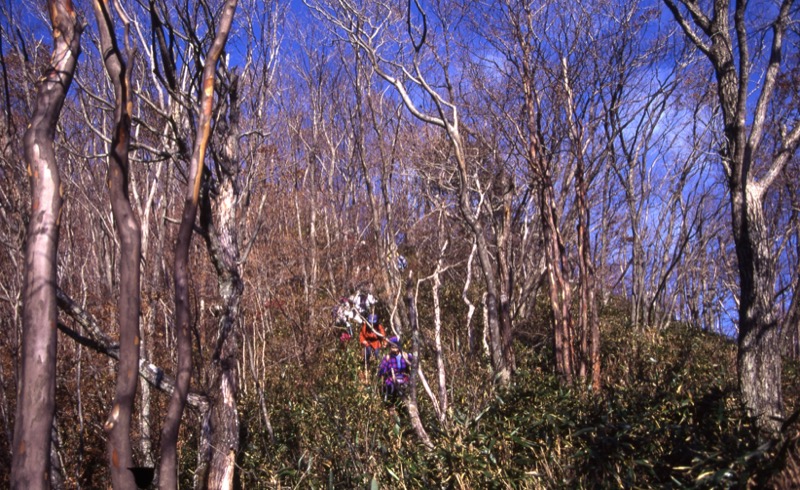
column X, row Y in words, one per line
column 395, row 368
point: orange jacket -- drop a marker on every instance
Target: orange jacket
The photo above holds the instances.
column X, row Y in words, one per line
column 368, row 338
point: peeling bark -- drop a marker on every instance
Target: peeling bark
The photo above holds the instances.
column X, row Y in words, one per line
column 30, row 466
column 219, row 442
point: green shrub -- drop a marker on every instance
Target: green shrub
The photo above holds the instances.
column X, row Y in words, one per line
column 668, row 417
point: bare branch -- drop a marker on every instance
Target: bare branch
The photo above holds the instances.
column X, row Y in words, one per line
column 103, row 344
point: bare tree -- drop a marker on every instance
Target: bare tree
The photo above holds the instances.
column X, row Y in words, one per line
column 365, row 116
column 516, row 36
column 362, row 29
column 440, row 401
column 168, row 470
column 30, row 467
column 722, row 35
column 120, row 451
column 411, row 395
column 222, row 221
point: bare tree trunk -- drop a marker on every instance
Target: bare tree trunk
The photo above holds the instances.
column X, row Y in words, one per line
column 637, row 270
column 590, row 329
column 594, row 347
column 56, row 463
column 472, row 340
column 118, row 424
column 500, row 365
column 168, row 470
column 220, row 432
column 485, row 333
column 312, row 241
column 759, row 356
column 30, row 467
column 560, row 293
column 587, row 309
column 437, row 321
column 504, row 271
column 411, row 395
column 554, row 251
column 145, row 400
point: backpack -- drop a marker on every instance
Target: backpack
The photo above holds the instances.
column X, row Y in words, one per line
column 399, row 374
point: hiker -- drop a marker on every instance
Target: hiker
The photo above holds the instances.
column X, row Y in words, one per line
column 371, row 337
column 394, row 369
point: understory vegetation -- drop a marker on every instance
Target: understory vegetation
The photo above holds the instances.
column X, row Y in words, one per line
column 669, row 417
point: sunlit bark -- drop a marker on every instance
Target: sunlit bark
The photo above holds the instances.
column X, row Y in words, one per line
column 724, row 39
column 410, row 398
column 30, row 467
